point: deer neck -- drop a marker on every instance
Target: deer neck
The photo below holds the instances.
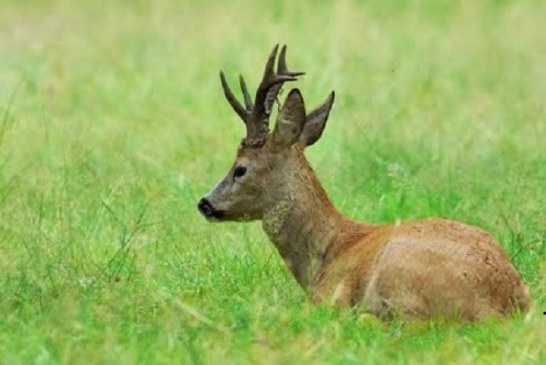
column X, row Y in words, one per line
column 303, row 224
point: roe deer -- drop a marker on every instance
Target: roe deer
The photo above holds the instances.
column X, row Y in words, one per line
column 418, row 269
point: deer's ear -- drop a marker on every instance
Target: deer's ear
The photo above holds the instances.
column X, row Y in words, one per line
column 316, row 121
column 290, row 120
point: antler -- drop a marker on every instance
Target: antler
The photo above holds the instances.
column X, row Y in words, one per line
column 256, row 116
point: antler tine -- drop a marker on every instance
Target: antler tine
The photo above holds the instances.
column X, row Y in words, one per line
column 246, row 95
column 237, row 107
column 282, row 69
column 270, row 63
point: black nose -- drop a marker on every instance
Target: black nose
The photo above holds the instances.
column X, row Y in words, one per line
column 206, row 208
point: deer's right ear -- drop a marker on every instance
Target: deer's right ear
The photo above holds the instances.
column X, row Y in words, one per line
column 290, row 120
column 316, row 121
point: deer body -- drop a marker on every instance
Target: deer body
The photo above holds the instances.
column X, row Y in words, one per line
column 427, row 268
column 418, row 269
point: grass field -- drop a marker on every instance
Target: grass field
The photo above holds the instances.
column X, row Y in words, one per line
column 113, row 125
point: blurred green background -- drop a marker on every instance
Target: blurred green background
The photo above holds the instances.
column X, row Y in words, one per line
column 113, row 125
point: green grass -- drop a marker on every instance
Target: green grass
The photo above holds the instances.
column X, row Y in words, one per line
column 113, row 125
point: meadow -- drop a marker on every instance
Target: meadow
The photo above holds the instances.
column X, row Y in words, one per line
column 113, row 125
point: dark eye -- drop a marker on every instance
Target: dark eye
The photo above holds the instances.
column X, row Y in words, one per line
column 239, row 171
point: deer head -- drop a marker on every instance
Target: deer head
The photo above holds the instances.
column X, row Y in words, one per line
column 265, row 162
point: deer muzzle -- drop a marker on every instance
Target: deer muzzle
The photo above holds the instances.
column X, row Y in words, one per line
column 208, row 210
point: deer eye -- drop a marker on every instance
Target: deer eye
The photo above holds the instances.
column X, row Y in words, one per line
column 239, row 171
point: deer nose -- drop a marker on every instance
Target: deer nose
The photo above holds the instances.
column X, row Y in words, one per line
column 206, row 208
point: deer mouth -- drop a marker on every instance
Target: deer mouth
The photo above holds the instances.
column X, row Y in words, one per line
column 208, row 210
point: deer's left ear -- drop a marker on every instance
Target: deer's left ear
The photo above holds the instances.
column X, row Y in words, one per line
column 290, row 120
column 316, row 121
